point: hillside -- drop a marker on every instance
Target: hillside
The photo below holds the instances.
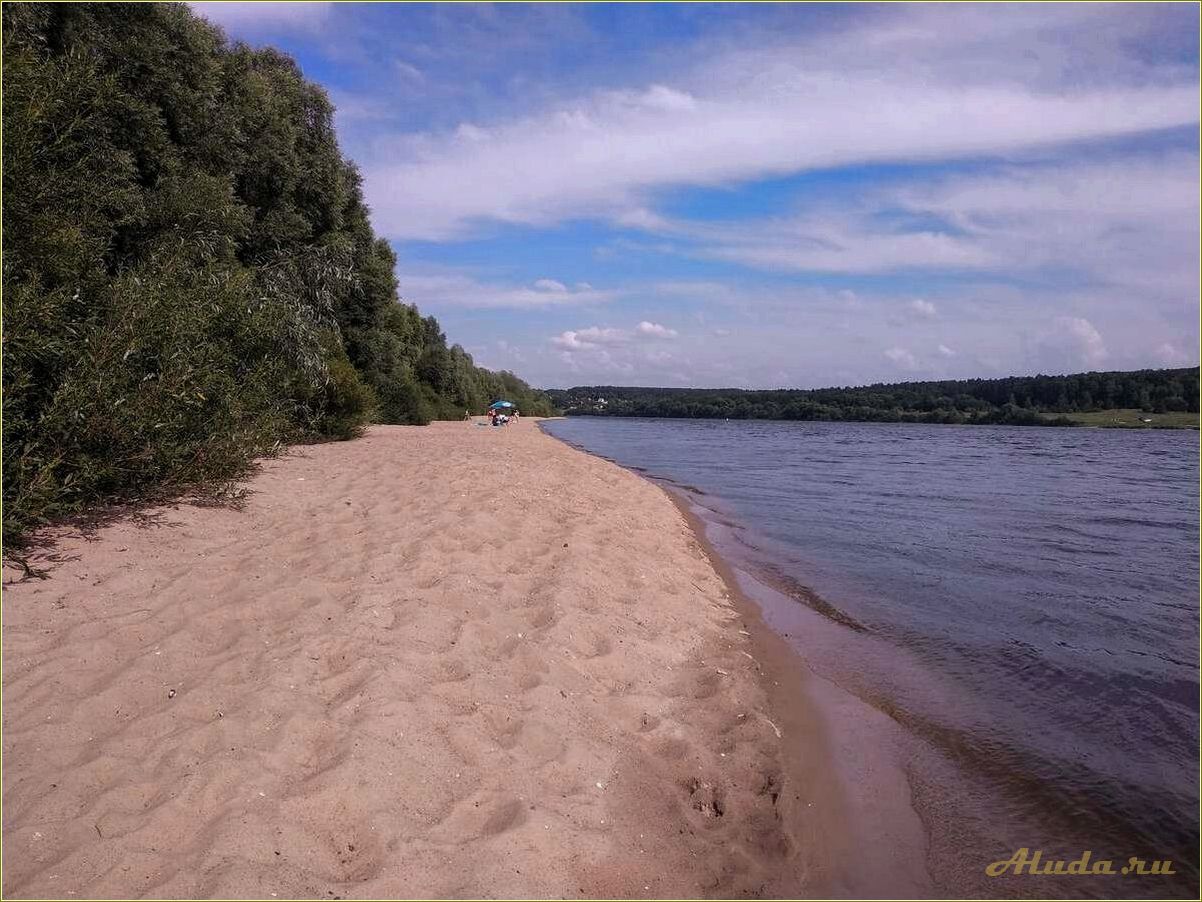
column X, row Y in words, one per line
column 1169, row 398
column 191, row 278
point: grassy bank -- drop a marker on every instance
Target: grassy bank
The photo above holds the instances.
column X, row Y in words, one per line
column 1130, row 418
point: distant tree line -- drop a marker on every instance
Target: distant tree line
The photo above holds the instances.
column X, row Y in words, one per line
column 1017, row 400
column 190, row 275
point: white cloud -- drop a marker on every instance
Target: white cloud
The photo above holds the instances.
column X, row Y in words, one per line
column 900, row 88
column 594, row 337
column 1128, row 221
column 568, row 341
column 922, row 309
column 1168, row 354
column 1069, row 343
column 1086, row 337
column 587, row 339
column 409, row 72
column 468, row 133
column 655, row 330
column 610, row 352
column 262, row 15
column 902, row 357
column 945, row 351
column 661, row 97
column 441, row 289
column 640, row 218
column 695, row 289
column 350, row 109
column 837, row 242
column 599, row 335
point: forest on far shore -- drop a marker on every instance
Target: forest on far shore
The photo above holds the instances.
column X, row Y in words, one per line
column 1168, row 397
column 191, row 279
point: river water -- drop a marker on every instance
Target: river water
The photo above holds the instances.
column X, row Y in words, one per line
column 1022, row 603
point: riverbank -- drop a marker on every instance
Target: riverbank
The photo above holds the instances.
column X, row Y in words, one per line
column 437, row 661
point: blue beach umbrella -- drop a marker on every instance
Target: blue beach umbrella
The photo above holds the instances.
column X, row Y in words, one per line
column 499, row 405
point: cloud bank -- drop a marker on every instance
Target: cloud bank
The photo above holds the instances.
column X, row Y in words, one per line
column 906, row 94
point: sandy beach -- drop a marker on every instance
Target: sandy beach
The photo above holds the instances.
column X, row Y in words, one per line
column 438, row 661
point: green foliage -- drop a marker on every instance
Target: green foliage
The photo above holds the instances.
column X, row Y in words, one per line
column 190, row 276
column 1015, row 401
column 169, row 380
column 404, row 401
column 347, row 404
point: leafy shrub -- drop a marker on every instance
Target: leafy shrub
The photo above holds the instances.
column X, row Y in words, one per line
column 403, row 401
column 347, row 404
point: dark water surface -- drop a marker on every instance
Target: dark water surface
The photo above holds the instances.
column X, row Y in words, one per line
column 1021, row 602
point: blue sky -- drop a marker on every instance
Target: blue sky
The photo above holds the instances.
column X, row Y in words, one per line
column 768, row 196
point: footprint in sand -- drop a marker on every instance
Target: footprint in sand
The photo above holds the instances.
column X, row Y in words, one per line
column 672, row 749
column 505, row 816
column 700, row 684
column 453, row 671
column 529, row 679
column 528, row 740
column 543, row 617
column 647, row 723
column 594, row 646
column 706, row 798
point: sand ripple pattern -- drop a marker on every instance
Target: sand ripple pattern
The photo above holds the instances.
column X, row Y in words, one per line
column 433, row 662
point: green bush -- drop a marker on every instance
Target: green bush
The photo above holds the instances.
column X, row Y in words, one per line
column 403, row 402
column 170, row 380
column 348, row 404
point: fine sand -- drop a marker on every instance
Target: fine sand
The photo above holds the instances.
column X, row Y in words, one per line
column 432, row 662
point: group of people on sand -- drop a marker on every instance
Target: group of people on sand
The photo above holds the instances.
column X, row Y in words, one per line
column 500, row 418
column 496, row 417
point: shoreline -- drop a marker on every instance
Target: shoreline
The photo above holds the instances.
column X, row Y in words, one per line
column 434, row 661
column 835, row 739
column 831, row 740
